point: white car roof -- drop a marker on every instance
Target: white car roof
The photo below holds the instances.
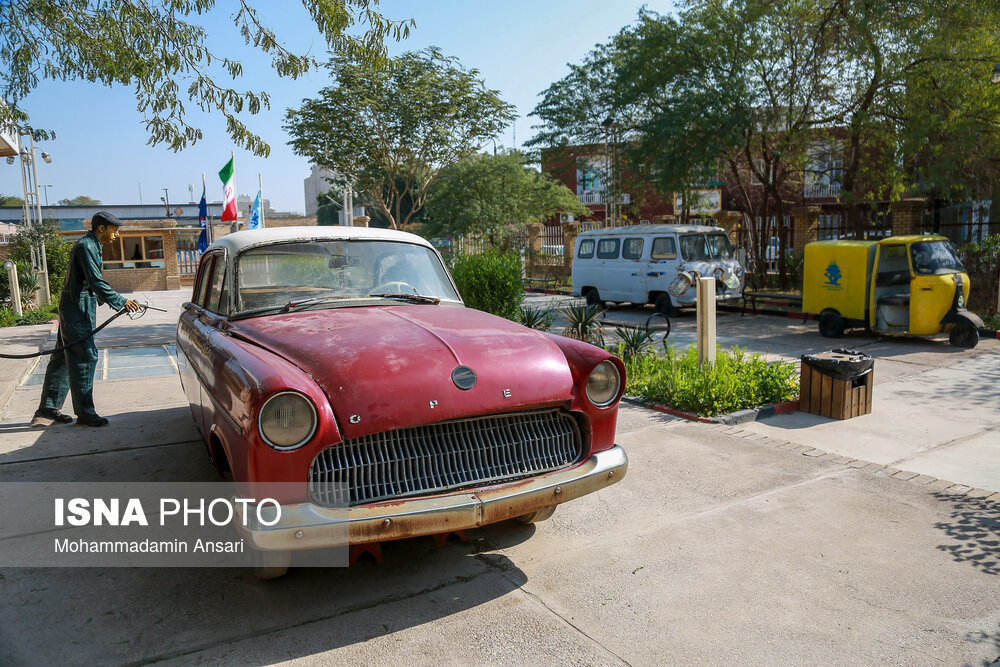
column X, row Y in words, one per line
column 239, row 241
column 653, row 229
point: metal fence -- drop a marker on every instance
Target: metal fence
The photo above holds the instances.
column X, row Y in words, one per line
column 961, row 223
column 187, row 254
column 876, row 222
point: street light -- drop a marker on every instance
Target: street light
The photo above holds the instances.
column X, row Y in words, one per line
column 33, row 208
column 166, row 200
column 46, row 186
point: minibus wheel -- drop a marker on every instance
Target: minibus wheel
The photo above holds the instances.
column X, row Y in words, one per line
column 594, row 298
column 831, row 324
column 664, row 305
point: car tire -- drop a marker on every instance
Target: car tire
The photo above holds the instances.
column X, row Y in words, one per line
column 270, row 564
column 664, row 305
column 964, row 335
column 536, row 516
column 831, row 324
column 594, row 298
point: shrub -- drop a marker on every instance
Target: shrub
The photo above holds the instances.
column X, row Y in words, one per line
column 7, row 317
column 736, row 381
column 982, row 261
column 490, row 281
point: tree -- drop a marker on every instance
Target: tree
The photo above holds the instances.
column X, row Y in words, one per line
column 486, row 195
column 82, row 200
column 914, row 83
column 723, row 87
column 11, row 200
column 57, row 250
column 151, row 46
column 390, row 131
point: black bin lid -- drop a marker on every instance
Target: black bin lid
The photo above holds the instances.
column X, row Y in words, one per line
column 840, row 364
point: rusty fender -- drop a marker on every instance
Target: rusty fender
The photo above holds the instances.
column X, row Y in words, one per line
column 310, row 526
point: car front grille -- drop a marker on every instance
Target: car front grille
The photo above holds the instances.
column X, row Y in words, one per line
column 443, row 456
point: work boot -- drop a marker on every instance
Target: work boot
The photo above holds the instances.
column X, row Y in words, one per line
column 93, row 420
column 49, row 416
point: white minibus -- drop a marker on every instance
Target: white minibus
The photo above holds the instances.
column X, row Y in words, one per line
column 636, row 264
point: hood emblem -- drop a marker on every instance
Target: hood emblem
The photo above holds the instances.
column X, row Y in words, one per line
column 464, row 377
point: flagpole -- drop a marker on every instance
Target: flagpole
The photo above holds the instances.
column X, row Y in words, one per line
column 236, row 197
column 260, row 193
column 208, row 218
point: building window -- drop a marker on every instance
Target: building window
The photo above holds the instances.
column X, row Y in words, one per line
column 824, row 170
column 589, row 175
column 137, row 251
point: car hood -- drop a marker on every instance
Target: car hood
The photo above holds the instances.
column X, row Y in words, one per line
column 389, row 367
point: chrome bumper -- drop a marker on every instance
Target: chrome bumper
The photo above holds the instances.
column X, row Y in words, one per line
column 311, row 526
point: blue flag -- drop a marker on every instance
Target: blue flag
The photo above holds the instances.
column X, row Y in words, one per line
column 255, row 213
column 202, row 219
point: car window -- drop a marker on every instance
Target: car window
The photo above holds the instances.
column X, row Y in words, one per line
column 204, row 275
column 586, row 249
column 695, row 248
column 276, row 274
column 608, row 248
column 217, row 288
column 664, row 247
column 632, row 249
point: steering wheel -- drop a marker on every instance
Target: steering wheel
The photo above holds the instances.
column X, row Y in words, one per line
column 394, row 287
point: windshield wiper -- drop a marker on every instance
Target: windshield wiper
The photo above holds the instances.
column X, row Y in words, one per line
column 295, row 305
column 415, row 298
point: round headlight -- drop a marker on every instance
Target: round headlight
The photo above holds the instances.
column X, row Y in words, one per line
column 287, row 420
column 603, row 384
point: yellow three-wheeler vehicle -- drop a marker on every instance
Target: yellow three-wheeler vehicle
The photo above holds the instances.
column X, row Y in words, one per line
column 901, row 284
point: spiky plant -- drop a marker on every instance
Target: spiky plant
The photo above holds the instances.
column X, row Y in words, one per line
column 30, row 286
column 584, row 323
column 537, row 318
column 634, row 341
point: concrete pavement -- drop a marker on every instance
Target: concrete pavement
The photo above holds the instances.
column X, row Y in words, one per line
column 722, row 544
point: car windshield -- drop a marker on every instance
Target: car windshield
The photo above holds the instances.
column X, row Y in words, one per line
column 935, row 258
column 288, row 274
column 705, row 247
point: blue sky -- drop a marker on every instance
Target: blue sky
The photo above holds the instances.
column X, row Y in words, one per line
column 519, row 46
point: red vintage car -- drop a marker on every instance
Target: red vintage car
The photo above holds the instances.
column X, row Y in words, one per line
column 343, row 359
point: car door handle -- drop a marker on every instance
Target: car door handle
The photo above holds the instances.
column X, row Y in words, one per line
column 926, row 289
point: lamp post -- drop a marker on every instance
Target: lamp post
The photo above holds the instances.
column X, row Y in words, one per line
column 32, row 209
column 46, row 191
column 166, row 201
column 995, row 205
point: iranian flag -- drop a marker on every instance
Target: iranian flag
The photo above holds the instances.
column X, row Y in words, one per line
column 228, row 177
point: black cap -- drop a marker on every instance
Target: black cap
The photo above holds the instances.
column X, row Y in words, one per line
column 104, row 218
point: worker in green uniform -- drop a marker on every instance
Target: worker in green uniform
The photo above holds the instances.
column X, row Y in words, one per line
column 72, row 370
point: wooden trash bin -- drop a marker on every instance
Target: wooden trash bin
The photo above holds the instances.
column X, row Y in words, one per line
column 837, row 384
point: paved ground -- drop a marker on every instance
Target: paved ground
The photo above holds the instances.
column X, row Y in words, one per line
column 722, row 545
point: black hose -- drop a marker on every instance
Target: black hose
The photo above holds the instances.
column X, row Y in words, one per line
column 63, row 347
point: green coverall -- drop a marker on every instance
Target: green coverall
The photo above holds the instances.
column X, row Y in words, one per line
column 73, row 370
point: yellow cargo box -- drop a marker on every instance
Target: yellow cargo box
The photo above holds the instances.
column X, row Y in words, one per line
column 836, row 275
